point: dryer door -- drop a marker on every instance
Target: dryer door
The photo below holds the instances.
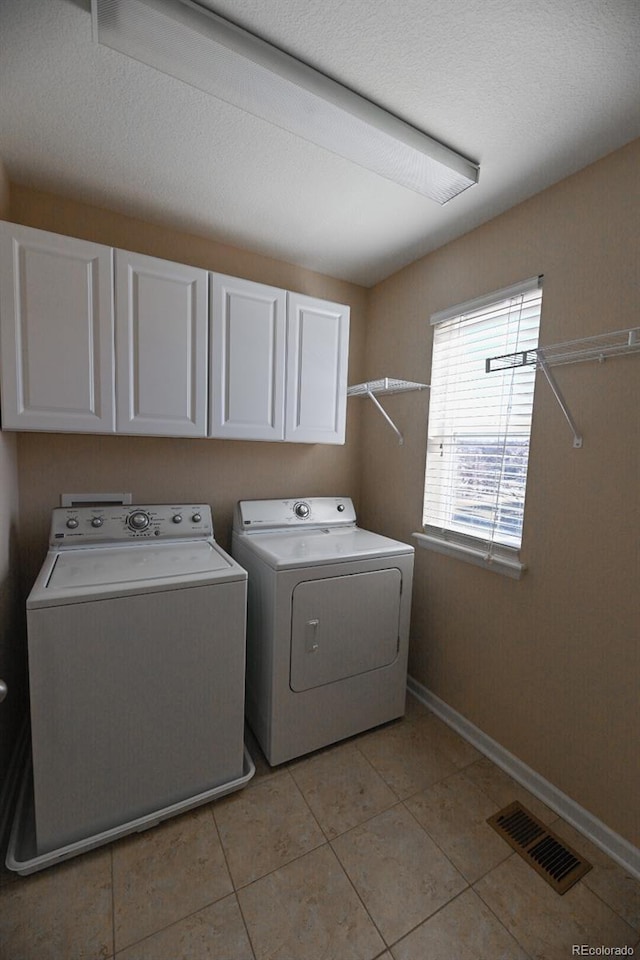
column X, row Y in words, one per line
column 343, row 626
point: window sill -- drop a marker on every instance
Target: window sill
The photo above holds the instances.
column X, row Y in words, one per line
column 506, row 566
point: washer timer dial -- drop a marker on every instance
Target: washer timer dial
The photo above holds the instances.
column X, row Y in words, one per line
column 138, row 520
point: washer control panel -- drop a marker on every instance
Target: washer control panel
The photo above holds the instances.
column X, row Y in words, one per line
column 116, row 522
column 317, row 511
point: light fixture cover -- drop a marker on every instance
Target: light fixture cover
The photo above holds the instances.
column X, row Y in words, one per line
column 195, row 45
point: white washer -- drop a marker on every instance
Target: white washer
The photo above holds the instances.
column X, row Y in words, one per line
column 136, row 637
column 328, row 623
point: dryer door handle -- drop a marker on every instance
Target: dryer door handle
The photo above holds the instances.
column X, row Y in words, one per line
column 311, row 631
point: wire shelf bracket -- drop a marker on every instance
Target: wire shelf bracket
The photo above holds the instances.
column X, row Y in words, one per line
column 572, row 351
column 384, row 387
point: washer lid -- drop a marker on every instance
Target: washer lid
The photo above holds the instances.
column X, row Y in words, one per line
column 87, row 573
column 307, row 548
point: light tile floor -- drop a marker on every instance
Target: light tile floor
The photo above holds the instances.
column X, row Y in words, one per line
column 374, row 848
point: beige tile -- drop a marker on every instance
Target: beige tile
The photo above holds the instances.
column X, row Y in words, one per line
column 216, row 932
column 464, row 929
column 342, row 788
column 264, row 827
column 165, row 874
column 454, row 813
column 61, row 912
column 450, row 743
column 7, row 876
column 611, row 882
column 308, row 910
column 504, row 790
column 544, row 923
column 406, row 757
column 399, row 872
column 414, row 710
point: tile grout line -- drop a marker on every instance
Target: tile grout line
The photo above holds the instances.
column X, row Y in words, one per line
column 328, row 843
column 293, row 859
column 367, row 819
column 387, row 946
column 113, row 903
column 469, row 886
column 192, row 913
column 430, row 917
column 306, row 803
column 462, row 770
column 610, row 906
column 492, row 911
column 233, row 883
column 377, row 772
column 174, row 923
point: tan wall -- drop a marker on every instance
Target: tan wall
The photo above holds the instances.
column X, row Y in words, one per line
column 548, row 666
column 11, row 633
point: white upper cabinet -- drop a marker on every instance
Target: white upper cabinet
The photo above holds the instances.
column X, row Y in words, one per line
column 94, row 340
column 248, row 341
column 317, row 357
column 161, row 347
column 56, row 308
column 278, row 364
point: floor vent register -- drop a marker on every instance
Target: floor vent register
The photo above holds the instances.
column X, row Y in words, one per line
column 552, row 858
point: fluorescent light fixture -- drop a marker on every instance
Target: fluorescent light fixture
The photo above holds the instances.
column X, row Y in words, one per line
column 195, row 45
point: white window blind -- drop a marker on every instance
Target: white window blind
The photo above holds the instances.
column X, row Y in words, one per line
column 480, row 423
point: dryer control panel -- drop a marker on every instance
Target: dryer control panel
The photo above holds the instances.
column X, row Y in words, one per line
column 112, row 523
column 253, row 515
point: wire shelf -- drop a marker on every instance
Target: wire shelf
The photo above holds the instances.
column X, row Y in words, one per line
column 381, row 388
column 572, row 351
column 384, row 387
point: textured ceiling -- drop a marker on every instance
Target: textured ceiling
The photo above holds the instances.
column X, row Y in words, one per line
column 531, row 91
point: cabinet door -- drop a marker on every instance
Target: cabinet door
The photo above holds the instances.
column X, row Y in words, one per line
column 161, row 347
column 248, row 332
column 56, row 312
column 317, row 357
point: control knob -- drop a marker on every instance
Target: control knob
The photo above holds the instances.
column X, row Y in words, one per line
column 138, row 520
column 196, row 518
column 177, row 518
column 302, row 510
column 97, row 522
column 72, row 523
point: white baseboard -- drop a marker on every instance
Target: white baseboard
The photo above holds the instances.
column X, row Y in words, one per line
column 593, row 829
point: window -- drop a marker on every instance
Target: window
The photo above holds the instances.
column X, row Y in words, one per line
column 479, row 428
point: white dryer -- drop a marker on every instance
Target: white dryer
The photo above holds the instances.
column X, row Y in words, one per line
column 328, row 623
column 136, row 639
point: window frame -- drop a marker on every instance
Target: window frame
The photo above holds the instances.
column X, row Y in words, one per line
column 502, row 558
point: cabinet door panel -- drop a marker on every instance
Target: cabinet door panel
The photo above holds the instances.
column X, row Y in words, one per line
column 56, row 307
column 317, row 358
column 161, row 344
column 247, row 359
